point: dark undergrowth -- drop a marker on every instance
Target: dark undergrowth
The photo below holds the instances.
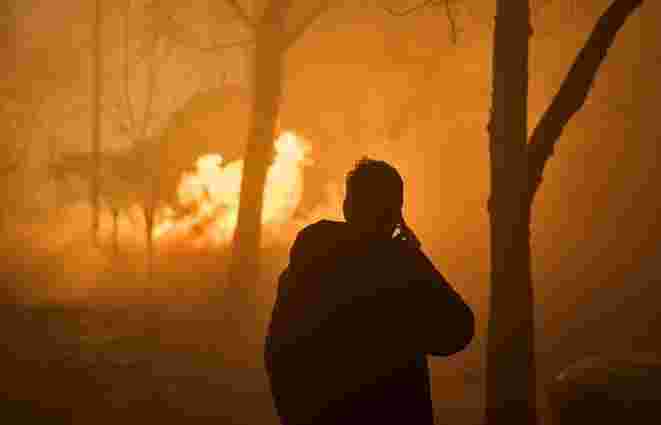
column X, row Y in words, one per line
column 103, row 343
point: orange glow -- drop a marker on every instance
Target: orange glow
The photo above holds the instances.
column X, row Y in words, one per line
column 208, row 197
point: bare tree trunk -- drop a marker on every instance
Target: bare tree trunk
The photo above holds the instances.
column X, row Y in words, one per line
column 139, row 128
column 516, row 178
column 8, row 66
column 5, row 173
column 52, row 159
column 267, row 85
column 148, row 211
column 510, row 392
column 272, row 39
column 153, row 195
column 95, row 187
column 244, row 271
column 115, row 233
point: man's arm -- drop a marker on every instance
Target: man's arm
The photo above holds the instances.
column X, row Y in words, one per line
column 445, row 324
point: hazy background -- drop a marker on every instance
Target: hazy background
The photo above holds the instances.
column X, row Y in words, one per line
column 355, row 72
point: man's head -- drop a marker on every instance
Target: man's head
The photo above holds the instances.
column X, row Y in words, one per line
column 374, row 197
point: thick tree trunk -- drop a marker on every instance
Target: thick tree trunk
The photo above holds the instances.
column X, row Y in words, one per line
column 272, row 39
column 267, row 74
column 516, row 177
column 510, row 392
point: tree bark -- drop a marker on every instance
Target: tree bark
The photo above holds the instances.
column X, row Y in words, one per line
column 272, row 38
column 271, row 43
column 267, row 80
column 510, row 392
column 516, row 173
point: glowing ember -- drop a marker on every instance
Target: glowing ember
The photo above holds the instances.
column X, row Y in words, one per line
column 209, row 197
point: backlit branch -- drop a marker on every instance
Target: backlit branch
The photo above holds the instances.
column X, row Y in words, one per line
column 451, row 21
column 575, row 88
column 241, row 13
column 216, row 46
column 300, row 29
column 415, row 8
column 209, row 48
column 428, row 3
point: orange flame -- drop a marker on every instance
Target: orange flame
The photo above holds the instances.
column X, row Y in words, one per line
column 209, row 196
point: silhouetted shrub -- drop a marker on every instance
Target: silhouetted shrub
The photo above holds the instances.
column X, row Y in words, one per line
column 607, row 390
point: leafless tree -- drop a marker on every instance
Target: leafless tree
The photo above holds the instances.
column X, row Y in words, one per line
column 517, row 165
column 138, row 129
column 280, row 25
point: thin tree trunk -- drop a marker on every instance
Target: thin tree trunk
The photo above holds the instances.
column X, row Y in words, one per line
column 115, row 233
column 8, row 66
column 52, row 159
column 511, row 384
column 272, row 39
column 139, row 130
column 148, row 212
column 95, row 187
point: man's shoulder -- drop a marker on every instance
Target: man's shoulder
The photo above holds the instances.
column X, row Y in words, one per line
column 323, row 228
column 318, row 237
column 325, row 225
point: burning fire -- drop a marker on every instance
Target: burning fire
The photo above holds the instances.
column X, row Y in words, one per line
column 208, row 197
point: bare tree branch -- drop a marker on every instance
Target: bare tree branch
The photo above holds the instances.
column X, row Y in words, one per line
column 415, row 8
column 241, row 13
column 214, row 47
column 428, row 3
column 217, row 46
column 452, row 21
column 294, row 35
column 575, row 88
column 210, row 48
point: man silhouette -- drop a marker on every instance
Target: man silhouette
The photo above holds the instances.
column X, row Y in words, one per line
column 357, row 310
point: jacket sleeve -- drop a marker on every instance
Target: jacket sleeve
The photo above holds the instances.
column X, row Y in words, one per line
column 445, row 324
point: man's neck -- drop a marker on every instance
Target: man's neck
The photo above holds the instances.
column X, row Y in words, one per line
column 370, row 235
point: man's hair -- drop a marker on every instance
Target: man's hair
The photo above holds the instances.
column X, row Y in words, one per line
column 377, row 182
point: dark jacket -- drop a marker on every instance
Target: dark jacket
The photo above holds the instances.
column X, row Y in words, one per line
column 351, row 326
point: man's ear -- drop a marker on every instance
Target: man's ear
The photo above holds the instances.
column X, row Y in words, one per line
column 392, row 216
